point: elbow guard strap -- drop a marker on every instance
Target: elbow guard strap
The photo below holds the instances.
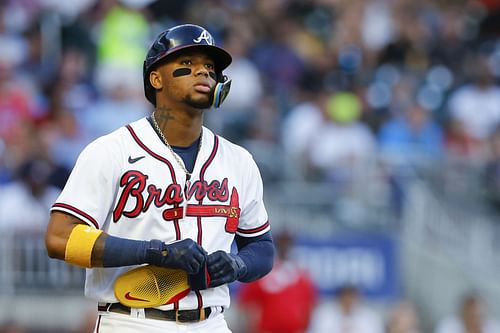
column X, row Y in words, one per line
column 80, row 244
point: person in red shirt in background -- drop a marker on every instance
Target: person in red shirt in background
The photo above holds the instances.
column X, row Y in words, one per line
column 282, row 301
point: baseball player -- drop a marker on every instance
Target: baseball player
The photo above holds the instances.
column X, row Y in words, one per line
column 166, row 192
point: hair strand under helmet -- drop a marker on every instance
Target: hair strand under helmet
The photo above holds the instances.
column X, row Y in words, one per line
column 182, row 37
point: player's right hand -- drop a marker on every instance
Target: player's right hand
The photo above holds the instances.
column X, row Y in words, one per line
column 185, row 254
column 224, row 268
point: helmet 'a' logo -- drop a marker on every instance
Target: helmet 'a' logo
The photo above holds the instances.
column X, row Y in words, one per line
column 204, row 36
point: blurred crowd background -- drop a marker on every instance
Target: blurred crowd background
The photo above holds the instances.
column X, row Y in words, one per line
column 373, row 122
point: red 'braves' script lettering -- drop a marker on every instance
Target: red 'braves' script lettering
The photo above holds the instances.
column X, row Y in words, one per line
column 173, row 195
column 134, row 184
column 215, row 191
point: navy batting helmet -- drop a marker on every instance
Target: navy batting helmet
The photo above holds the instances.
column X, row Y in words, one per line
column 182, row 37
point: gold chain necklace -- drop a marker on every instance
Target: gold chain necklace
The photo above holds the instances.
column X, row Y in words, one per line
column 177, row 158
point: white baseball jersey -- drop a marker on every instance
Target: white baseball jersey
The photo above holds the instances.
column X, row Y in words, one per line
column 129, row 185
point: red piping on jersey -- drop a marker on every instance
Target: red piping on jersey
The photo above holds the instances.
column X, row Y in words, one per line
column 210, row 158
column 170, row 167
column 199, row 224
column 77, row 211
column 150, row 152
column 202, row 178
column 177, row 229
column 254, row 230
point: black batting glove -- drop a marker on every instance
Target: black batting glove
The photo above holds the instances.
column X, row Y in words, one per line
column 201, row 280
column 225, row 268
column 185, row 254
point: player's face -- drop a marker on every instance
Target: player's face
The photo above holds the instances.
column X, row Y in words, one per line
column 189, row 77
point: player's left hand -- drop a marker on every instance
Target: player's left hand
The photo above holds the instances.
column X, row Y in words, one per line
column 225, row 268
column 200, row 280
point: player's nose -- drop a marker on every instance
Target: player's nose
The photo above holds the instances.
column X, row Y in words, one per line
column 201, row 70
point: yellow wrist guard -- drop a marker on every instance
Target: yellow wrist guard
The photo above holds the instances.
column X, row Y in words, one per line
column 80, row 244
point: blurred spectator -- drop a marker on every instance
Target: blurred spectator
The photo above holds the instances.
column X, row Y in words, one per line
column 412, row 137
column 24, row 145
column 378, row 25
column 267, row 120
column 347, row 314
column 15, row 102
column 281, row 302
column 409, row 141
column 403, row 318
column 121, row 102
column 302, row 120
column 122, row 35
column 471, row 318
column 280, row 65
column 412, row 38
column 452, row 32
column 72, row 87
column 477, row 105
column 342, row 144
column 24, row 203
column 64, row 138
column 35, row 66
column 298, row 127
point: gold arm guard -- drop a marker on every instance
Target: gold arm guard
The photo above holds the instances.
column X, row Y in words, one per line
column 80, row 244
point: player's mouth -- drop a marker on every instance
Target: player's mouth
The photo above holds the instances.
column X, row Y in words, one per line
column 202, row 88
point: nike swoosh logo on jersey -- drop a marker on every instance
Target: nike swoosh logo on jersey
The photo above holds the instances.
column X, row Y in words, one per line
column 132, row 298
column 133, row 160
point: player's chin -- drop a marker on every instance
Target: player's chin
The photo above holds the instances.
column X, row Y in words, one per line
column 200, row 102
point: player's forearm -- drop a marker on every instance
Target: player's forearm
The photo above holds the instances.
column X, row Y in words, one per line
column 118, row 252
column 258, row 255
column 58, row 231
column 73, row 241
column 104, row 250
column 258, row 258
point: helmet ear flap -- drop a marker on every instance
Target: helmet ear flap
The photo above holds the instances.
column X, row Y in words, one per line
column 221, row 90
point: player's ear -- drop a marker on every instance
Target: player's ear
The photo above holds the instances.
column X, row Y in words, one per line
column 155, row 79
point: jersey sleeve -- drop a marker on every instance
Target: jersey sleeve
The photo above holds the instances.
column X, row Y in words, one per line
column 253, row 218
column 89, row 191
